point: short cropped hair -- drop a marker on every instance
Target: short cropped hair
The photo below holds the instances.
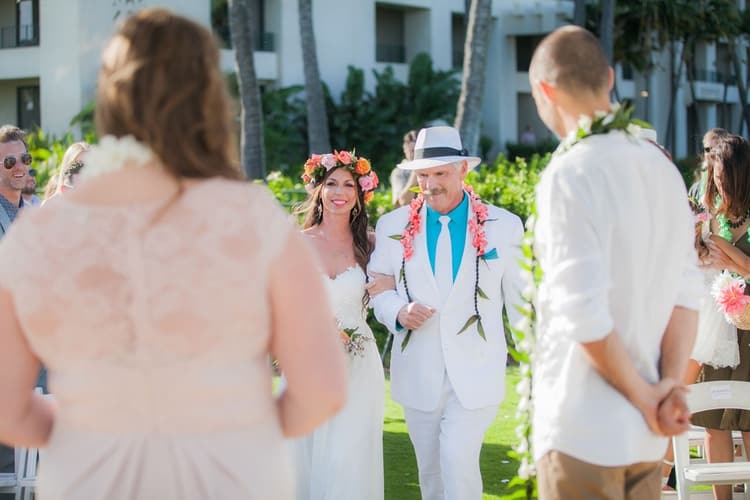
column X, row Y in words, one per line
column 11, row 133
column 572, row 59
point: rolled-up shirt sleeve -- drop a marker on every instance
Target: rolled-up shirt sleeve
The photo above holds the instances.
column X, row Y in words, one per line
column 576, row 280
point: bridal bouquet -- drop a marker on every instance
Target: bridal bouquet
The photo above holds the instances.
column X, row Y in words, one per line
column 729, row 293
column 354, row 342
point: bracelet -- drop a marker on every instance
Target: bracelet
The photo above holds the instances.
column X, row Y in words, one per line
column 667, row 462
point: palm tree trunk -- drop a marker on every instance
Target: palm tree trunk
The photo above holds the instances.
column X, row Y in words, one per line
column 579, row 14
column 469, row 111
column 317, row 120
column 689, row 57
column 741, row 87
column 467, row 11
column 607, row 29
column 674, row 84
column 242, row 24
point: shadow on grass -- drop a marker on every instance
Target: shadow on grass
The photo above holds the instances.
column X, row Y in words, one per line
column 402, row 481
column 497, row 469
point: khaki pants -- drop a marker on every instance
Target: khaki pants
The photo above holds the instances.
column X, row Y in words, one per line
column 562, row 477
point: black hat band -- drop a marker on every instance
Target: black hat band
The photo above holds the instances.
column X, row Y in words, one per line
column 421, row 154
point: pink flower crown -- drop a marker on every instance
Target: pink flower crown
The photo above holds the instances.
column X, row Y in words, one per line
column 317, row 166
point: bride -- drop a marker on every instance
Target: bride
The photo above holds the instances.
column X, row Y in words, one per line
column 343, row 459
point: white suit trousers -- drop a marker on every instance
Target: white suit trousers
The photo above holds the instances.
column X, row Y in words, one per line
column 447, row 443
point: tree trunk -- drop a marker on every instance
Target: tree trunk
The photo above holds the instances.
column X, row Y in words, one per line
column 579, row 14
column 317, row 120
column 741, row 87
column 688, row 58
column 469, row 110
column 674, row 85
column 607, row 29
column 467, row 11
column 242, row 24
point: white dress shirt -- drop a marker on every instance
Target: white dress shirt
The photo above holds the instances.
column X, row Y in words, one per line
column 614, row 236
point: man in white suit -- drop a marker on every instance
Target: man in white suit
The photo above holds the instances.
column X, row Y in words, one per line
column 455, row 260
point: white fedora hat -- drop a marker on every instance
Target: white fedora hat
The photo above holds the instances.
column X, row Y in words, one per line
column 438, row 146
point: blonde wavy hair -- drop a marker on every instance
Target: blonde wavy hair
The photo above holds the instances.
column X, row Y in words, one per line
column 160, row 82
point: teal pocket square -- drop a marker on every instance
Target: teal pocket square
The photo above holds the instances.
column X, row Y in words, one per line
column 491, row 254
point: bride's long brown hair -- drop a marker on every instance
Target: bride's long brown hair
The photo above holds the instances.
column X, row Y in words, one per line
column 312, row 210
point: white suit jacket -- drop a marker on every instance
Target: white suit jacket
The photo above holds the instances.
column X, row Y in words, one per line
column 475, row 367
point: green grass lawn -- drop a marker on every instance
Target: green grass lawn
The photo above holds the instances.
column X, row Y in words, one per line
column 401, row 481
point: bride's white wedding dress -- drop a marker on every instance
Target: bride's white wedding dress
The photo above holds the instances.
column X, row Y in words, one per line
column 343, row 459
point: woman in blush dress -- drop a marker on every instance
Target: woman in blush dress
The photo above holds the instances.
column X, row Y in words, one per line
column 343, row 459
column 173, row 285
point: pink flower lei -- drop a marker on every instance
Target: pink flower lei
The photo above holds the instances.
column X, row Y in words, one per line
column 479, row 216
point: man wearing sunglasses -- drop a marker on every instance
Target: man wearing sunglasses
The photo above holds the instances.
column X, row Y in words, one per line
column 28, row 193
column 14, row 153
column 13, row 173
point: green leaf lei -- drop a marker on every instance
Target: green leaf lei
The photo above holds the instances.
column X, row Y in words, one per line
column 479, row 216
column 617, row 119
column 724, row 230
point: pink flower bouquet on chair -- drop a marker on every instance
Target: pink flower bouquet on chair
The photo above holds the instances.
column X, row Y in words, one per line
column 729, row 293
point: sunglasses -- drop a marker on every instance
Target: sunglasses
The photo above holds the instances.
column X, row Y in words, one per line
column 75, row 167
column 10, row 161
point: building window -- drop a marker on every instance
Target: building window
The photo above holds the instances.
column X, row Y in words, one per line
column 627, row 71
column 724, row 115
column 25, row 31
column 27, row 20
column 723, row 63
column 263, row 42
column 390, row 44
column 28, row 107
column 525, row 46
column 458, row 38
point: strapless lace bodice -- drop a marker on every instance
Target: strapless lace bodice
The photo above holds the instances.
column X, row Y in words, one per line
column 345, row 292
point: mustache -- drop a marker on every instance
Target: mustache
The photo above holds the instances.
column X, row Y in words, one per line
column 433, row 192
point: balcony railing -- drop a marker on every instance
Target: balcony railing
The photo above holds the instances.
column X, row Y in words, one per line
column 704, row 75
column 14, row 36
column 458, row 58
column 264, row 42
column 390, row 53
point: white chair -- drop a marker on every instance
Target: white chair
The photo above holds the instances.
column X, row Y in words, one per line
column 27, row 474
column 710, row 396
column 26, row 467
column 9, row 480
column 697, row 437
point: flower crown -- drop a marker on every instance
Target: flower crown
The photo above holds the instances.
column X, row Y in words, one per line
column 317, row 166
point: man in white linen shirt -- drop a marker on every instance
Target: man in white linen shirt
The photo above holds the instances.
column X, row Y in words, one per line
column 616, row 305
